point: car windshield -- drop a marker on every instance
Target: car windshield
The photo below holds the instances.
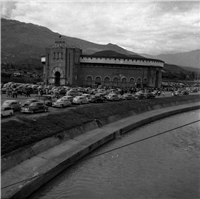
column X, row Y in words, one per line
column 6, row 103
column 33, row 104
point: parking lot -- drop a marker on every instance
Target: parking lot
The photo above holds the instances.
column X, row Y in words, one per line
column 52, row 110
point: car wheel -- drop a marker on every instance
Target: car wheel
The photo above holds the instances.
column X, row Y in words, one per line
column 32, row 111
column 62, row 106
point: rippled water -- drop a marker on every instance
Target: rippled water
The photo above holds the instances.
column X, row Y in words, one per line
column 163, row 167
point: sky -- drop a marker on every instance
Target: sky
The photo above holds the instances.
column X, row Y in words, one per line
column 144, row 27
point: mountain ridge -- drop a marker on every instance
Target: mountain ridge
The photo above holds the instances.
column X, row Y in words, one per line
column 26, row 42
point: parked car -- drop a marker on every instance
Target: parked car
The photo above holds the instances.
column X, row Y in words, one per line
column 184, row 92
column 6, row 111
column 29, row 101
column 80, row 100
column 88, row 96
column 175, row 93
column 128, row 96
column 3, row 90
column 139, row 95
column 73, row 93
column 14, row 104
column 68, row 97
column 97, row 98
column 61, row 103
column 112, row 97
column 149, row 95
column 48, row 99
column 34, row 107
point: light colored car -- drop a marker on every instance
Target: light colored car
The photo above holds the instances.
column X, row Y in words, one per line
column 112, row 97
column 128, row 96
column 61, row 103
column 14, row 104
column 88, row 96
column 68, row 97
column 6, row 111
column 80, row 100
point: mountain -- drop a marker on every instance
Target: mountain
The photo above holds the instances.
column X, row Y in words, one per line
column 111, row 53
column 185, row 59
column 26, row 43
column 174, row 69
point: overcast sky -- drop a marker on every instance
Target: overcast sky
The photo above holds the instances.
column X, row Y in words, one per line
column 151, row 27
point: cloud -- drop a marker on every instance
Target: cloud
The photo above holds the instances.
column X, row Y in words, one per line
column 143, row 27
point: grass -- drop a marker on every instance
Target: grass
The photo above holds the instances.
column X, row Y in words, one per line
column 15, row 135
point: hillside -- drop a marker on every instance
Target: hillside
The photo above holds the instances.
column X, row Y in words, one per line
column 186, row 59
column 22, row 42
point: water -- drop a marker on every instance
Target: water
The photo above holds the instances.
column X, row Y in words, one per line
column 162, row 167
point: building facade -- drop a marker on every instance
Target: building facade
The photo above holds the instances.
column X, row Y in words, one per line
column 67, row 66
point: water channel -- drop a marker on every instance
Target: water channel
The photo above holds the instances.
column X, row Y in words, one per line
column 162, row 167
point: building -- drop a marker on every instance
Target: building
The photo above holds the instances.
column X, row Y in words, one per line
column 68, row 66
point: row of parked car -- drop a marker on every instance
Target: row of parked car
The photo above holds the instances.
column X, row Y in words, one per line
column 42, row 103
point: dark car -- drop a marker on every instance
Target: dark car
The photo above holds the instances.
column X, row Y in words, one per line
column 34, row 107
column 149, row 95
column 97, row 98
column 29, row 101
column 184, row 92
column 48, row 99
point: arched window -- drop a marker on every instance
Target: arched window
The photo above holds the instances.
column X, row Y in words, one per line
column 115, row 81
column 139, row 82
column 107, row 79
column 89, row 80
column 124, row 80
column 145, row 82
column 98, row 80
column 132, row 80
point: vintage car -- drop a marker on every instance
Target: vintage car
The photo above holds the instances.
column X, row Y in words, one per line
column 62, row 103
column 128, row 96
column 68, row 97
column 80, row 100
column 48, row 99
column 6, row 111
column 184, row 92
column 34, row 107
column 149, row 95
column 139, row 95
column 112, row 97
column 97, row 98
column 29, row 101
column 14, row 104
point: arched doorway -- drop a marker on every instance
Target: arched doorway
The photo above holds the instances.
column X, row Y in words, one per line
column 57, row 78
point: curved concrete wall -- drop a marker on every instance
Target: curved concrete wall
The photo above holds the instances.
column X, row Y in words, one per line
column 60, row 159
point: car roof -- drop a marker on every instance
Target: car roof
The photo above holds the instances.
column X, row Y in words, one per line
column 11, row 101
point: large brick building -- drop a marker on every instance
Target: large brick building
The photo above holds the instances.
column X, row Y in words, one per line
column 67, row 66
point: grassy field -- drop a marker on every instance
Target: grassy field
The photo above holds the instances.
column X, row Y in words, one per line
column 15, row 135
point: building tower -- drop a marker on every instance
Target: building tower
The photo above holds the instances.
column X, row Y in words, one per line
column 62, row 64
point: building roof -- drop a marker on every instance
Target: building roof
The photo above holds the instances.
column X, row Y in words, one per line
column 116, row 55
